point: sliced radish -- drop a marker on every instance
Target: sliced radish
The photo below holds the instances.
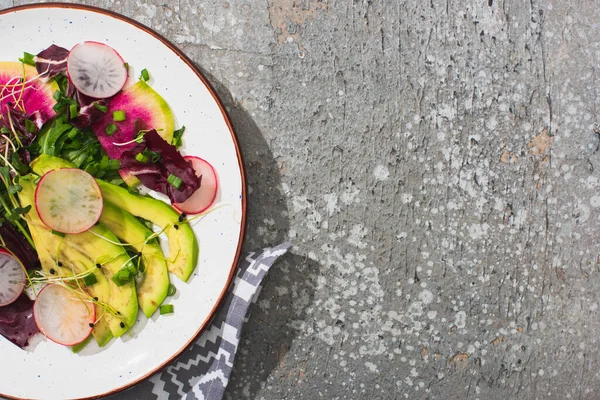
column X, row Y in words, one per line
column 202, row 198
column 68, row 200
column 63, row 317
column 96, row 69
column 12, row 277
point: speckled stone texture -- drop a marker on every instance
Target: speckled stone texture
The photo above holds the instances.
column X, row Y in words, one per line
column 436, row 165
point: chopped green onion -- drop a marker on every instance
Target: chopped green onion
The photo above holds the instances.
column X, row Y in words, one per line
column 166, row 309
column 145, row 75
column 111, row 129
column 114, row 165
column 100, row 107
column 172, row 290
column 124, row 275
column 90, row 279
column 175, row 181
column 28, row 59
column 30, row 126
column 154, row 157
column 73, row 111
column 58, row 107
column 104, row 162
column 73, row 133
column 57, row 95
column 141, row 157
column 177, row 141
column 57, row 233
column 118, row 115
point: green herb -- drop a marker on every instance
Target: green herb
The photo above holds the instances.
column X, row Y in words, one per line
column 177, row 137
column 118, row 115
column 57, row 233
column 175, row 181
column 14, row 189
column 100, row 107
column 141, row 157
column 145, row 75
column 172, row 290
column 73, row 110
column 125, row 274
column 30, row 126
column 166, row 309
column 27, row 59
column 111, row 129
column 90, row 279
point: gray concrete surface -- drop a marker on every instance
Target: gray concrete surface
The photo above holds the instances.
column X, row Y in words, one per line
column 436, row 165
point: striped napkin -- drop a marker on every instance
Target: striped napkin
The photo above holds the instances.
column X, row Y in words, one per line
column 202, row 372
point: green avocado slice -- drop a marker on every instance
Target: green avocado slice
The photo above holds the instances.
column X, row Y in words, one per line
column 152, row 288
column 183, row 246
column 112, row 257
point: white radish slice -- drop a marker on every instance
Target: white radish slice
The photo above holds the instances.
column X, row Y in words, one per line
column 68, row 200
column 204, row 197
column 63, row 317
column 12, row 277
column 96, row 69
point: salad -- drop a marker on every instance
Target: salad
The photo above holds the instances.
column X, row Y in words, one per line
column 80, row 249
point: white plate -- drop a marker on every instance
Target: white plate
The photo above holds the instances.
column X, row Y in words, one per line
column 49, row 371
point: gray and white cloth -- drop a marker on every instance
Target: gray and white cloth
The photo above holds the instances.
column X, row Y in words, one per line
column 202, row 371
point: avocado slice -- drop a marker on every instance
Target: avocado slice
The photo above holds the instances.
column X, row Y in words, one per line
column 112, row 257
column 152, row 288
column 183, row 246
column 53, row 253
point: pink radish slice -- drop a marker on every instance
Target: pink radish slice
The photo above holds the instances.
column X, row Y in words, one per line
column 63, row 317
column 12, row 277
column 68, row 200
column 202, row 198
column 96, row 69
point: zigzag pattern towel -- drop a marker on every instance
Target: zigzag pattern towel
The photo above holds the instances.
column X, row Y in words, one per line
column 202, row 372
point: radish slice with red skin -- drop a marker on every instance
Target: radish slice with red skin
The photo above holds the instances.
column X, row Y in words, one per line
column 68, row 200
column 205, row 196
column 63, row 317
column 96, row 69
column 12, row 277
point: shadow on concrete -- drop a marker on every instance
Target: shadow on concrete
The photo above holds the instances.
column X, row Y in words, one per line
column 268, row 334
column 271, row 330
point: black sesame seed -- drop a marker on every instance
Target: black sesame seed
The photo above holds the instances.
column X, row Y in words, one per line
column 91, row 325
column 122, row 325
column 139, row 254
column 118, row 312
column 182, row 217
column 52, row 271
column 98, row 266
column 176, row 226
column 59, row 264
column 95, row 299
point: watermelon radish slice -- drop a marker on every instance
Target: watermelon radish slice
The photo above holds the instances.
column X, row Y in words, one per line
column 144, row 109
column 205, row 196
column 32, row 95
column 68, row 200
column 12, row 277
column 96, row 69
column 63, row 317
